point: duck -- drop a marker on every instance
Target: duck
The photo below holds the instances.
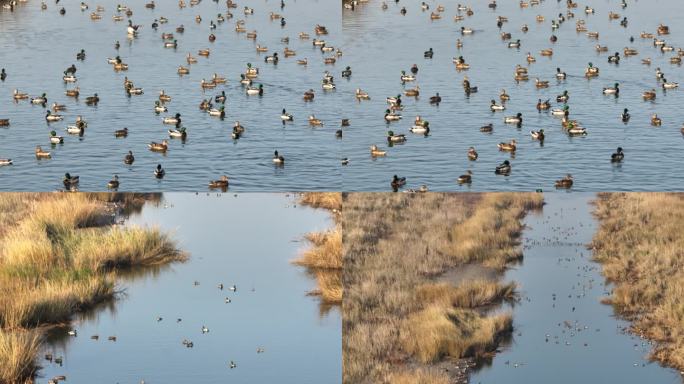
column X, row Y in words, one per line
column 284, row 116
column 191, row 59
column 54, row 139
column 129, row 158
column 3, row 74
column 309, row 95
column 92, row 100
column 315, row 121
column 412, row 92
column 180, row 133
column 218, row 112
column 421, row 127
column 466, row 31
column 668, row 85
column 222, row 183
column 563, row 98
column 183, row 70
column 256, row 90
column 347, row 72
column 245, row 80
column 574, row 129
column 6, row 162
column 72, row 92
column 272, row 58
column 543, row 105
column 159, row 108
column 503, row 168
column 42, row 154
column 514, row 44
column 618, row 156
column 70, row 183
column 121, row 132
column 517, row 119
column 361, row 95
column 49, row 116
column 134, row 91
column 538, row 135
column 58, row 107
column 503, row 96
column 560, row 75
column 564, row 183
column 436, row 99
column 614, row 59
column 428, row 54
column 511, row 146
column 158, row 147
column 327, row 85
column 113, row 183
column 395, row 138
column 397, row 182
column 591, row 71
column 649, row 95
column 656, row 121
column 19, row 95
column 391, row 116
column 496, row 107
column 278, row 158
column 204, row 84
column 69, row 78
column 375, row 151
column 467, row 178
column 172, row 120
column 487, row 128
column 560, row 111
column 407, row 78
column 472, row 154
column 42, row 99
column 615, row 90
column 159, row 172
column 541, row 83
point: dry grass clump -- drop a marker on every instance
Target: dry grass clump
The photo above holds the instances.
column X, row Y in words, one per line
column 640, row 245
column 325, row 200
column 395, row 312
column 18, row 352
column 325, row 252
column 59, row 257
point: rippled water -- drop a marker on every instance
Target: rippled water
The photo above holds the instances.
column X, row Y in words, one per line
column 380, row 43
column 270, row 309
column 557, row 262
column 38, row 45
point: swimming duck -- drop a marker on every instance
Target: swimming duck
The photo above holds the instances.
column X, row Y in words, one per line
column 183, row 70
column 496, row 107
column 487, row 128
column 313, row 121
column 625, row 116
column 391, row 116
column 201, row 52
column 514, row 44
column 42, row 99
column 614, row 59
column 615, row 90
column 397, row 182
column 511, row 146
column 58, row 107
column 591, row 71
column 327, row 85
column 92, row 100
column 121, row 132
column 158, row 107
column 172, row 120
column 54, row 139
column 41, row 154
column 656, row 121
column 472, row 154
column 49, row 116
column 218, row 112
column 541, row 83
column 466, row 31
column 134, row 91
column 272, row 59
column 222, row 183
column 420, row 126
column 560, row 75
column 503, row 96
column 563, row 98
column 361, row 95
column 113, row 183
column 538, row 135
column 256, row 90
column 221, row 98
column 668, row 85
column 649, row 95
column 207, row 84
column 347, row 72
column 436, row 99
column 543, row 105
column 565, row 182
column 574, row 129
column 503, row 168
column 428, row 54
column 309, row 95
column 5, row 162
column 406, row 78
column 3, row 74
column 517, row 119
column 618, row 156
column 392, row 138
column 159, row 172
column 278, row 159
column 180, row 133
column 129, row 158
column 70, row 182
column 561, row 111
column 412, row 92
column 158, row 147
column 375, row 151
column 467, row 178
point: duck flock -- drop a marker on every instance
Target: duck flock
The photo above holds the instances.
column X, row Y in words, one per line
column 532, row 94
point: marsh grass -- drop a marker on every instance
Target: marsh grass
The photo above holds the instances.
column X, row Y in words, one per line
column 398, row 317
column 640, row 246
column 59, row 256
column 326, row 200
column 18, row 351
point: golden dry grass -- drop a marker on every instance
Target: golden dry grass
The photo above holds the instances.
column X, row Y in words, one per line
column 395, row 309
column 640, row 243
column 326, row 200
column 59, row 255
column 18, row 352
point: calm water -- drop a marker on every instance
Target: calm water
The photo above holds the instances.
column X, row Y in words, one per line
column 595, row 350
column 380, row 43
column 43, row 44
column 225, row 236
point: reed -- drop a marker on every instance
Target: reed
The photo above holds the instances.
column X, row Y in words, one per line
column 325, row 200
column 18, row 351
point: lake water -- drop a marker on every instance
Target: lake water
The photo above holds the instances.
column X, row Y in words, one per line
column 246, row 240
column 594, row 349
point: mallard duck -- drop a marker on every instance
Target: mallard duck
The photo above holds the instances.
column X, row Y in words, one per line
column 134, row 91
column 221, row 183
column 656, row 121
column 158, row 147
column 395, row 138
column 668, row 85
column 560, row 75
column 625, row 115
column 172, row 120
column 309, row 95
column 42, row 99
column 540, row 83
column 472, row 154
column 121, row 132
column 375, row 151
column 183, row 70
column 630, row 52
column 546, row 52
column 159, row 172
column 466, row 31
column 278, row 158
column 391, row 116
column 5, row 162
column 313, row 121
column 406, row 78
column 113, row 183
column 414, row 92
column 560, row 111
column 514, row 44
column 159, row 108
column 70, row 182
column 503, row 168
column 54, row 139
column 92, row 100
column 467, row 178
column 204, row 84
column 272, row 58
column 496, row 107
column 327, row 85
column 487, row 128
column 4, row 122
column 245, row 80
column 180, row 133
column 49, row 116
column 517, row 119
column 397, row 182
column 591, row 71
column 347, row 72
column 563, row 98
column 614, row 59
column 420, row 126
column 618, row 156
column 284, row 116
column 436, row 99
column 58, row 107
column 574, row 129
column 565, row 182
column 129, row 158
column 69, row 78
column 511, row 146
column 649, row 95
column 41, row 154
column 503, row 96
column 220, row 98
column 217, row 112
column 256, row 90
column 201, row 52
column 361, row 95
column 543, row 105
column 615, row 90
column 237, row 127
column 538, row 135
